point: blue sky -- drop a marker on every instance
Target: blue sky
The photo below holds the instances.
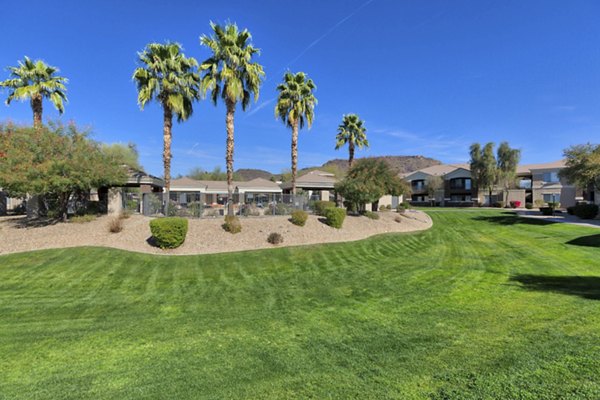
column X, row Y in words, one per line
column 428, row 77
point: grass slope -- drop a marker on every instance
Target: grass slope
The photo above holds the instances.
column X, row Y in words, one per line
column 482, row 306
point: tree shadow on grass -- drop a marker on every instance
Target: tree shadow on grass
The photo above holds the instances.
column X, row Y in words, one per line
column 587, row 287
column 588, row 241
column 509, row 218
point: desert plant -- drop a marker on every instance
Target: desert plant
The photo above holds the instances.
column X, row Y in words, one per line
column 382, row 208
column 586, row 211
column 196, row 209
column 275, row 238
column 539, row 203
column 279, row 209
column 398, row 219
column 250, row 210
column 125, row 214
column 232, row 224
column 320, row 206
column 334, row 217
column 115, row 225
column 80, row 219
column 169, row 232
column 371, row 215
column 299, row 217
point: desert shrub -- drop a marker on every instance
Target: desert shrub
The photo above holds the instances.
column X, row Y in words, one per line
column 115, row 225
column 173, row 210
column 371, row 215
column 232, row 224
column 388, row 207
column 275, row 238
column 398, row 219
column 528, row 206
column 169, row 232
column 299, row 217
column 81, row 219
column 196, row 209
column 125, row 214
column 401, row 209
column 250, row 210
column 554, row 205
column 319, row 207
column 405, row 205
column 498, row 204
column 382, row 208
column 335, row 217
column 280, row 209
column 212, row 212
column 586, row 211
column 539, row 203
column 515, row 204
column 95, row 207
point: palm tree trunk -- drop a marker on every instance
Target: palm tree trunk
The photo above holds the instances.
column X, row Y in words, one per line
column 294, row 154
column 167, row 135
column 351, row 151
column 229, row 154
column 36, row 106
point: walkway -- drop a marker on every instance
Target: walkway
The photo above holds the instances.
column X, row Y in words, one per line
column 560, row 217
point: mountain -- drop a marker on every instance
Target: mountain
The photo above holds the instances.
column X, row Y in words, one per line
column 247, row 174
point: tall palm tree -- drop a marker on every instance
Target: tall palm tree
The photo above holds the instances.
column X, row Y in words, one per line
column 295, row 107
column 230, row 74
column 36, row 80
column 169, row 77
column 352, row 132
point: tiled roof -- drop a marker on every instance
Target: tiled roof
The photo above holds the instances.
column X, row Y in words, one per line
column 527, row 168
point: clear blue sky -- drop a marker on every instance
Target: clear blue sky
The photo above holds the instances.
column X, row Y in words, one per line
column 428, row 77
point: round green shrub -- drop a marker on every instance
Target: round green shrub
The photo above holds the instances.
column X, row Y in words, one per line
column 371, row 215
column 528, row 206
column 586, row 211
column 299, row 217
column 169, row 232
column 232, row 224
column 319, row 207
column 335, row 217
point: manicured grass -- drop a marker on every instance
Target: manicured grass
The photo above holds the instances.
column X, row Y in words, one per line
column 482, row 306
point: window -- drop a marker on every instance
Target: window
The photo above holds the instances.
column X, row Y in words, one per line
column 460, row 183
column 525, row 184
column 418, row 185
column 551, row 177
column 460, row 197
column 551, row 197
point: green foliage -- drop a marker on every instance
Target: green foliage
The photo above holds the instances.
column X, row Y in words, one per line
column 215, row 175
column 81, row 219
column 433, row 184
column 367, row 181
column 54, row 161
column 196, row 209
column 299, row 217
column 232, row 224
column 528, row 206
column 279, row 209
column 120, row 153
column 499, row 204
column 547, row 210
column 371, row 215
column 169, row 232
column 571, row 210
column 334, row 217
column 539, row 202
column 586, row 211
column 275, row 238
column 295, row 100
column 582, row 165
column 353, row 133
column 483, row 166
column 320, row 206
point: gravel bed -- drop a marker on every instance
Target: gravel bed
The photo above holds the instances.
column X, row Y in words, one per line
column 204, row 235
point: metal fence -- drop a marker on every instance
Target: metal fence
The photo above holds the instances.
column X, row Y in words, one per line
column 190, row 205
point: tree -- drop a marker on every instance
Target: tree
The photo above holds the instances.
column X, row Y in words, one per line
column 55, row 162
column 507, row 163
column 483, row 167
column 367, row 181
column 582, row 165
column 433, row 184
column 215, row 175
column 352, row 132
column 230, row 74
column 36, row 81
column 169, row 77
column 295, row 107
column 123, row 154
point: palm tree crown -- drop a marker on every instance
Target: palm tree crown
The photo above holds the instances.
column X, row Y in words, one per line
column 296, row 101
column 230, row 72
column 36, row 80
column 352, row 132
column 168, row 76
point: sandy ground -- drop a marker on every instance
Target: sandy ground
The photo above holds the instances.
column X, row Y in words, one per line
column 204, row 235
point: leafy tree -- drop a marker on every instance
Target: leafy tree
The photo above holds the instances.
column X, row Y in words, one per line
column 123, row 154
column 55, row 162
column 36, row 81
column 230, row 74
column 582, row 165
column 352, row 132
column 215, row 175
column 433, row 184
column 367, row 181
column 507, row 163
column 169, row 77
column 483, row 167
column 295, row 107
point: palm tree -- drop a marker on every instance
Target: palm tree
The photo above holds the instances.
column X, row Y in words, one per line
column 36, row 80
column 352, row 132
column 169, row 77
column 230, row 74
column 295, row 107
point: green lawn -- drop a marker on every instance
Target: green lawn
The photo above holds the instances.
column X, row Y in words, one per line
column 482, row 306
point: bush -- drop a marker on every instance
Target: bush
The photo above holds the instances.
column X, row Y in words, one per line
column 280, row 209
column 528, row 206
column 169, row 232
column 81, row 219
column 275, row 238
column 232, row 224
column 388, row 207
column 401, row 209
column 125, row 214
column 498, row 204
column 115, row 225
column 539, row 203
column 571, row 210
column 382, row 208
column 554, row 205
column 371, row 215
column 515, row 204
column 405, row 205
column 335, row 217
column 250, row 210
column 299, row 217
column 196, row 209
column 547, row 210
column 319, row 207
column 398, row 219
column 95, row 207
column 586, row 211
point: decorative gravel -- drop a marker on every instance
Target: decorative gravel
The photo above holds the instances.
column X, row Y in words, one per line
column 204, row 235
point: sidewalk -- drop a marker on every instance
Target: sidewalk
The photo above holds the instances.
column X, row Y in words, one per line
column 562, row 217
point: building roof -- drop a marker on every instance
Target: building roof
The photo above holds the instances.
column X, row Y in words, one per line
column 136, row 177
column 257, row 185
column 527, row 168
column 313, row 180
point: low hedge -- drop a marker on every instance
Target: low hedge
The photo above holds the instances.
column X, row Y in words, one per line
column 299, row 217
column 334, row 217
column 319, row 207
column 169, row 232
column 371, row 215
column 586, row 211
